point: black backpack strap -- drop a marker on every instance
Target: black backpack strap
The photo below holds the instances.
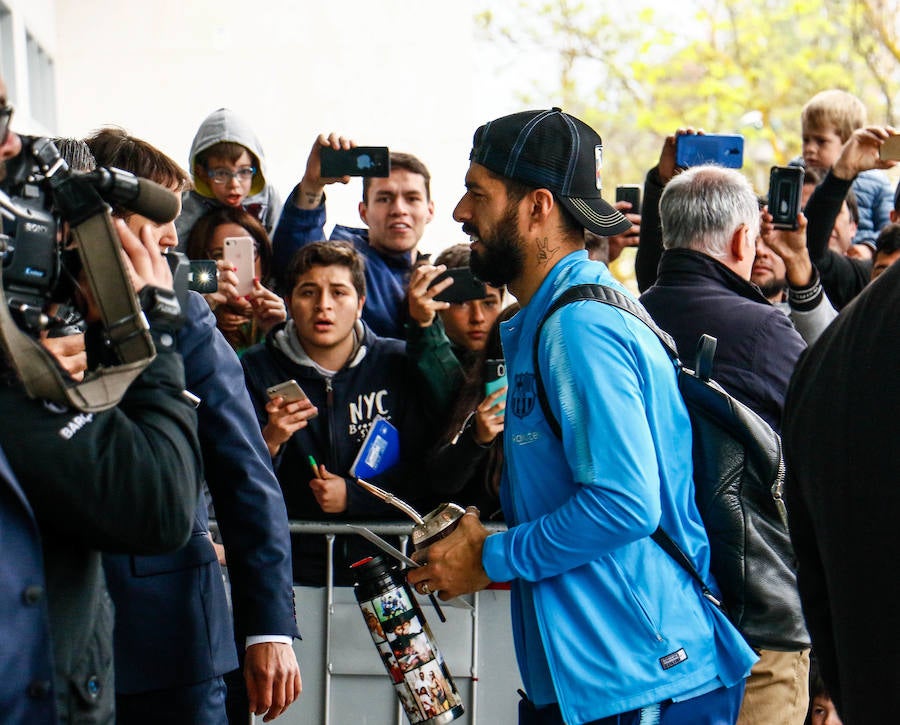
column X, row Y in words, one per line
column 667, row 544
column 706, row 352
column 610, row 296
column 599, row 293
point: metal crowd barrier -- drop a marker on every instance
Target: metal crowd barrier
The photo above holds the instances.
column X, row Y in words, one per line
column 344, row 681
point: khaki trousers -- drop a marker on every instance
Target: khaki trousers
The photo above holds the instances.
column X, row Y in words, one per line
column 777, row 691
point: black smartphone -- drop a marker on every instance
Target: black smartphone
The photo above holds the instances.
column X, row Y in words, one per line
column 785, row 187
column 199, row 275
column 632, row 194
column 359, row 161
column 722, row 149
column 466, row 286
column 203, row 276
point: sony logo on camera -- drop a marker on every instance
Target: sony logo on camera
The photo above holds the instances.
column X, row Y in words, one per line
column 33, row 228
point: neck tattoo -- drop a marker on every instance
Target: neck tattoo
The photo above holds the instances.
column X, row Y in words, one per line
column 544, row 253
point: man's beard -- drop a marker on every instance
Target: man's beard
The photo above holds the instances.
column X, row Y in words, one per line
column 773, row 287
column 501, row 259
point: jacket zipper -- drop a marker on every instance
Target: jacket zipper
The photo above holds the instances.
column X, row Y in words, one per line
column 329, row 404
column 777, row 494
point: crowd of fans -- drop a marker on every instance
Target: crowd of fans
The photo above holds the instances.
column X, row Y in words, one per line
column 357, row 321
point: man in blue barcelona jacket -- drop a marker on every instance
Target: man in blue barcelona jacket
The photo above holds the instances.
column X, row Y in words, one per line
column 608, row 628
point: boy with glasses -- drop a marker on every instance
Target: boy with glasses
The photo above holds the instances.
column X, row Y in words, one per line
column 228, row 169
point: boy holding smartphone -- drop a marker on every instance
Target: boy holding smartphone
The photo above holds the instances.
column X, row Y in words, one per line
column 350, row 376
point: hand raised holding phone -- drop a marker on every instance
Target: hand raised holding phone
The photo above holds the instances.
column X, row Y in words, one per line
column 422, row 291
column 311, row 187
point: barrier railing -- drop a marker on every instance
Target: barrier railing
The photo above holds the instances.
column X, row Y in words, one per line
column 351, row 683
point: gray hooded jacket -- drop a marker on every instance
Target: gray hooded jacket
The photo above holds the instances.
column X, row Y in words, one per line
column 263, row 201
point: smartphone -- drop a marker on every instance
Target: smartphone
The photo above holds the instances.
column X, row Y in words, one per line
column 890, row 149
column 290, row 390
column 632, row 194
column 722, row 149
column 203, row 276
column 240, row 255
column 466, row 286
column 494, row 374
column 200, row 275
column 785, row 187
column 359, row 161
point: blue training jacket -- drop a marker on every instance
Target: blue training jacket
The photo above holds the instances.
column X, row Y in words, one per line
column 599, row 610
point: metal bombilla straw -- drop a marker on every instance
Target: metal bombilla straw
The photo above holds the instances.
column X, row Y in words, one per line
column 390, row 498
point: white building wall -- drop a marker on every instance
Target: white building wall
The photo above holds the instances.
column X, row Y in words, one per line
column 27, row 35
column 394, row 72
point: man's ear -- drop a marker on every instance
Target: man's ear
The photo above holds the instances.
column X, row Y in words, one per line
column 541, row 204
column 430, row 211
column 739, row 246
column 363, row 212
column 359, row 310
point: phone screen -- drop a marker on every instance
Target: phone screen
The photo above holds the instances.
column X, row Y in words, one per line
column 239, row 253
column 358, row 161
column 722, row 149
column 785, row 188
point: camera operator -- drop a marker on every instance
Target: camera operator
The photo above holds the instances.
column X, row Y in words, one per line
column 122, row 480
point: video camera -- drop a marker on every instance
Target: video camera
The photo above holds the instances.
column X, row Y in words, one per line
column 37, row 195
column 43, row 192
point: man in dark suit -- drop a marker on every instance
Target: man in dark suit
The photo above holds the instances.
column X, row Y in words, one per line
column 174, row 639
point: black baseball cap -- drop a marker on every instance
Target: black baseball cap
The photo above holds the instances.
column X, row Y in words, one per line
column 551, row 150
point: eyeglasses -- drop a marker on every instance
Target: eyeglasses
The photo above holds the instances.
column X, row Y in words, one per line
column 223, row 176
column 6, row 113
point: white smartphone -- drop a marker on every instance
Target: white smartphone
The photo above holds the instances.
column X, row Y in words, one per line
column 240, row 255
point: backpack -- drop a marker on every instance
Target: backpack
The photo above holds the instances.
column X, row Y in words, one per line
column 738, row 480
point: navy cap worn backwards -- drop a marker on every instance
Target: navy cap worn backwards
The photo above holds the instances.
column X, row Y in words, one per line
column 551, row 150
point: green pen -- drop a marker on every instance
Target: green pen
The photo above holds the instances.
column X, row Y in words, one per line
column 315, row 466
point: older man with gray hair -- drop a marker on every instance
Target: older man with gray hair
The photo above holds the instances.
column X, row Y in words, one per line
column 710, row 221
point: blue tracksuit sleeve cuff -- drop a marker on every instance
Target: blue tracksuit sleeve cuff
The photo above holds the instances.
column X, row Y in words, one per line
column 495, row 559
